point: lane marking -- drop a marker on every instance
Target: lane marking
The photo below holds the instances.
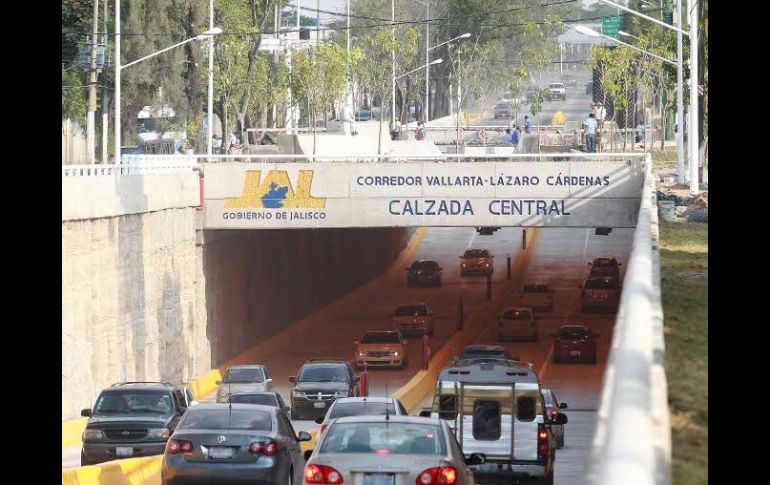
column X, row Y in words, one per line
column 472, row 238
column 545, row 364
column 585, row 247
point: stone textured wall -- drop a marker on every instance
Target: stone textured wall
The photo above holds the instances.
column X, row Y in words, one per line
column 133, row 304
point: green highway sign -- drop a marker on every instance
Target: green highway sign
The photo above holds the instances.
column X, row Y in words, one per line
column 611, row 26
column 668, row 11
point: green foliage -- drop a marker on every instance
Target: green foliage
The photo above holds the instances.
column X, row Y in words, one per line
column 73, row 96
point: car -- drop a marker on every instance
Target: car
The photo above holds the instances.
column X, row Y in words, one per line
column 574, row 342
column 557, row 91
column 599, row 293
column 486, row 351
column 538, row 296
column 262, row 398
column 380, row 348
column 361, row 406
column 554, row 407
column 414, row 318
column 244, row 443
column 131, row 419
column 318, row 384
column 363, row 115
column 531, row 93
column 476, row 261
column 569, row 81
column 503, row 110
column 380, row 450
column 605, row 266
column 517, row 323
column 244, row 378
column 423, row 272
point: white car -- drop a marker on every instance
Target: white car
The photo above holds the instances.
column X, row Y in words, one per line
column 380, row 348
column 558, row 91
column 538, row 296
column 416, row 318
column 240, row 379
column 517, row 323
column 361, row 406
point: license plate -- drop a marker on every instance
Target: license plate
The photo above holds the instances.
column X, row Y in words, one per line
column 379, row 479
column 220, row 452
column 574, row 353
column 319, row 405
column 124, row 451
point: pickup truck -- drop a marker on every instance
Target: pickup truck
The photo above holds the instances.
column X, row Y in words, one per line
column 558, row 91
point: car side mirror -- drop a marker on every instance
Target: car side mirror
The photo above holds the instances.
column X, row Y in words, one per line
column 304, row 436
column 85, row 412
column 218, row 383
column 563, row 405
column 194, row 403
column 320, row 420
column 425, row 413
column 292, row 378
column 476, row 459
column 269, row 379
column 559, row 418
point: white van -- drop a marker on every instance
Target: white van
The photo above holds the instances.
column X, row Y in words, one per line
column 498, row 410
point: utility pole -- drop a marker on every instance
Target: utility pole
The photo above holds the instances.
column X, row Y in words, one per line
column 693, row 144
column 317, row 22
column 92, row 80
column 105, row 115
column 679, row 97
column 116, row 101
column 393, row 61
column 210, row 114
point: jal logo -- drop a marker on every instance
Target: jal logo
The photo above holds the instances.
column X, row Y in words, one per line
column 275, row 191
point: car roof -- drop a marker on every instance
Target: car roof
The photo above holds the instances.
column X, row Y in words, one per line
column 490, row 372
column 235, row 406
column 536, row 283
column 573, row 326
column 324, row 361
column 144, row 386
column 606, row 278
column 256, row 393
column 417, row 303
column 424, row 261
column 381, row 418
column 364, row 399
column 247, row 366
column 488, row 348
column 380, row 331
column 517, row 309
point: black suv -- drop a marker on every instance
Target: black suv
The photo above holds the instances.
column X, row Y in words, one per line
column 318, row 384
column 132, row 419
column 423, row 272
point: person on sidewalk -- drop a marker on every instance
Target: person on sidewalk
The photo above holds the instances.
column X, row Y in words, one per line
column 527, row 125
column 590, row 128
column 508, row 138
column 516, row 136
column 347, row 117
column 419, row 131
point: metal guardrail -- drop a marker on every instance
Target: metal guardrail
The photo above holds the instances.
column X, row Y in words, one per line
column 632, row 444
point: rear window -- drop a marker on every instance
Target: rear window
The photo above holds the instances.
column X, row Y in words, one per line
column 447, row 405
column 384, row 439
column 525, row 408
column 486, row 420
column 556, row 86
column 503, row 106
column 601, row 284
column 380, row 338
column 263, row 399
column 486, row 352
column 425, row 265
column 411, row 311
column 535, row 289
column 604, row 263
column 477, row 253
column 572, row 333
column 323, row 373
column 244, row 375
column 225, row 419
column 516, row 315
column 342, row 409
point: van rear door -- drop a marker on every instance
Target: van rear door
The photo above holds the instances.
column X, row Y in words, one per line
column 528, row 413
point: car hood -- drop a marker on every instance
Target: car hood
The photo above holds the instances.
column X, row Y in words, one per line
column 242, row 387
column 321, row 386
column 143, row 419
column 379, row 347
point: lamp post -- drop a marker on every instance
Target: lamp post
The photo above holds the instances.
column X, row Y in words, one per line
column 210, row 130
column 426, row 102
column 592, row 33
column 437, row 61
column 119, row 68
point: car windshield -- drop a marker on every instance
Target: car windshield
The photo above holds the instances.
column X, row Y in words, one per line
column 384, row 439
column 125, row 402
column 535, row 289
column 263, row 399
column 502, row 106
column 516, row 315
column 411, row 311
column 476, row 253
column 323, row 373
column 425, row 265
column 496, row 360
column 557, row 86
column 381, row 338
column 604, row 263
column 572, row 333
column 244, row 375
column 485, row 353
column 224, row 418
column 600, row 284
column 361, row 408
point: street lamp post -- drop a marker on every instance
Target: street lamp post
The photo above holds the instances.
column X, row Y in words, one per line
column 210, row 130
column 118, row 68
column 437, row 61
column 426, row 101
column 692, row 146
column 592, row 33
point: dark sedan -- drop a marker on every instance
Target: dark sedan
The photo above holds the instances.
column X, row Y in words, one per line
column 503, row 110
column 424, row 273
column 575, row 342
column 245, row 443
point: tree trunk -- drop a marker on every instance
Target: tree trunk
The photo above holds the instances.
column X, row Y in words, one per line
column 225, row 127
column 379, row 138
column 193, row 85
column 625, row 128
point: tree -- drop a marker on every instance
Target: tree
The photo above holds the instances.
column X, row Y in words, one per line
column 73, row 98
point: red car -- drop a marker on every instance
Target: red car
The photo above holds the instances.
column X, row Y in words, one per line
column 575, row 342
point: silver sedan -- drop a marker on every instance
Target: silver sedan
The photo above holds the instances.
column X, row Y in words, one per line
column 389, row 450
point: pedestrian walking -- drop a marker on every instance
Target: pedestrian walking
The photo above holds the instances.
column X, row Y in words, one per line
column 419, row 131
column 347, row 117
column 507, row 138
column 590, row 129
column 516, row 136
column 527, row 125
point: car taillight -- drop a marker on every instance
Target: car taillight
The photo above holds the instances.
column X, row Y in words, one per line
column 267, row 448
column 445, row 475
column 543, row 448
column 322, row 475
column 178, row 446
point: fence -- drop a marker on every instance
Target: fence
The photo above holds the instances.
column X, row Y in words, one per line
column 74, row 148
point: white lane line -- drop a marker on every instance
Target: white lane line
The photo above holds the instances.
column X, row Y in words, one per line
column 585, row 246
column 545, row 364
column 472, row 238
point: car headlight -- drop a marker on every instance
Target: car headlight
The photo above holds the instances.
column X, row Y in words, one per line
column 361, row 354
column 395, row 353
column 158, row 433
column 92, row 434
column 298, row 393
column 341, row 394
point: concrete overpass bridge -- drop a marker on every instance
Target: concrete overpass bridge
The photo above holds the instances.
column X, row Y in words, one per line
column 163, row 280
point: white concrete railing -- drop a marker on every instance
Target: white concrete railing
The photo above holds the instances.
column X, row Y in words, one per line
column 632, row 444
column 133, row 165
